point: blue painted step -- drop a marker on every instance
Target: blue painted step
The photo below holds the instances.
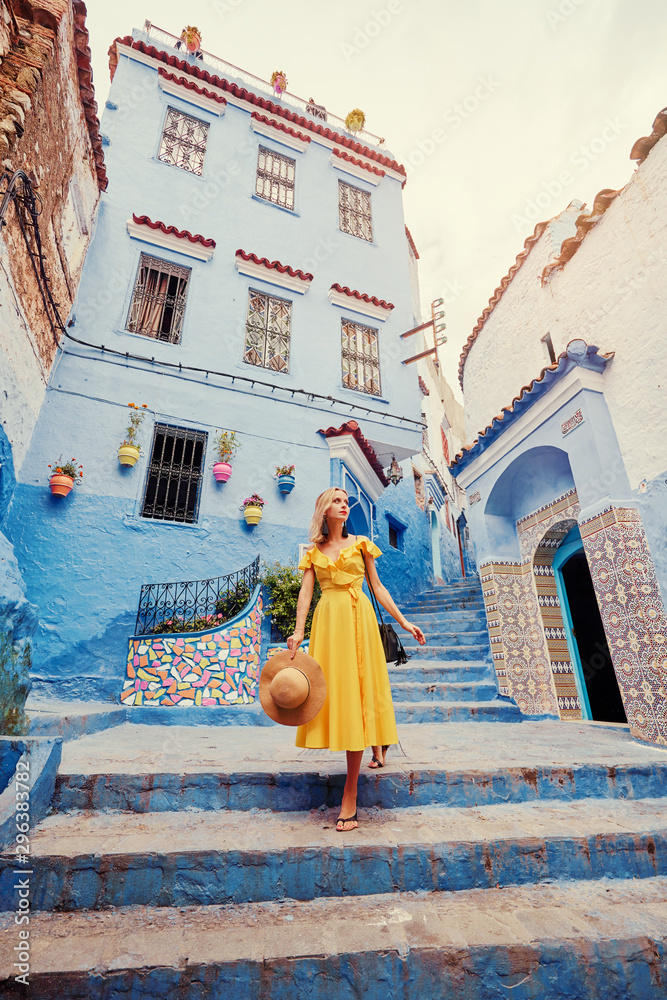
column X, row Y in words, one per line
column 443, row 691
column 520, row 942
column 442, row 711
column 292, row 790
column 450, row 671
column 203, row 858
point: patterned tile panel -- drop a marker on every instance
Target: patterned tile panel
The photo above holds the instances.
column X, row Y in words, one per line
column 517, row 642
column 216, row 667
column 633, row 616
column 562, row 671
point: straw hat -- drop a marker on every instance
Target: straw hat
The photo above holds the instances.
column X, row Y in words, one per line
column 292, row 691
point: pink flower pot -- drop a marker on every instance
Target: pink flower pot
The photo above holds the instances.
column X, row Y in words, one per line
column 222, row 471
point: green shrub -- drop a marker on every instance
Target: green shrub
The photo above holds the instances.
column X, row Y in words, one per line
column 283, row 581
column 15, row 662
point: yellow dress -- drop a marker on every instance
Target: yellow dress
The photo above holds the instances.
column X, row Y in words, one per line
column 358, row 711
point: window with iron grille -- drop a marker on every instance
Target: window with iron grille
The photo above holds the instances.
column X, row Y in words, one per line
column 360, row 358
column 174, row 477
column 275, row 178
column 183, row 142
column 354, row 211
column 267, row 331
column 158, row 299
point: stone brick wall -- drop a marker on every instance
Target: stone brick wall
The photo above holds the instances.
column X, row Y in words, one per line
column 48, row 129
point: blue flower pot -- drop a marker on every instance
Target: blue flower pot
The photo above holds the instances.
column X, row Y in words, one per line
column 286, row 483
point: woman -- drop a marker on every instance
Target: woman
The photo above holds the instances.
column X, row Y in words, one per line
column 345, row 640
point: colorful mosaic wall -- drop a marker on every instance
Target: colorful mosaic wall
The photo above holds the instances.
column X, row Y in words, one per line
column 216, row 667
column 633, row 616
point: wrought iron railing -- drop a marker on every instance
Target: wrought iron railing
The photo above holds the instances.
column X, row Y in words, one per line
column 194, row 605
column 256, row 83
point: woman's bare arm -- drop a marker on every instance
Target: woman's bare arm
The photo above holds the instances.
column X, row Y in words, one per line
column 302, row 608
column 387, row 601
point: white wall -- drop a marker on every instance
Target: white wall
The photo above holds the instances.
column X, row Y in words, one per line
column 612, row 293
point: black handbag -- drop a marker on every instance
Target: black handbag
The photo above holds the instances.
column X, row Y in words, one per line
column 394, row 650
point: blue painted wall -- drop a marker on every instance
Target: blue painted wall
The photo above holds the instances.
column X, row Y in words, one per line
column 85, row 557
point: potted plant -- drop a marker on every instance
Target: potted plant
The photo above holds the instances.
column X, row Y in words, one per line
column 226, row 447
column 355, row 121
column 129, row 451
column 252, row 508
column 191, row 38
column 278, row 82
column 285, row 476
column 63, row 477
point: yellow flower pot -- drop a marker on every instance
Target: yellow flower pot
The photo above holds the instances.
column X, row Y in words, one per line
column 128, row 454
column 253, row 515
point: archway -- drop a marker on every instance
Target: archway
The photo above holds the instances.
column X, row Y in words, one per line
column 600, row 694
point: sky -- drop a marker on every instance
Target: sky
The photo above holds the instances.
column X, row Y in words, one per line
column 502, row 111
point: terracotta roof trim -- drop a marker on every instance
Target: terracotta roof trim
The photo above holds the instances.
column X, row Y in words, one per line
column 182, row 234
column 281, row 126
column 86, row 89
column 423, row 387
column 352, row 427
column 411, row 243
column 359, row 163
column 371, row 299
column 246, row 95
column 528, row 245
column 272, row 265
column 643, row 146
column 191, row 85
column 585, row 222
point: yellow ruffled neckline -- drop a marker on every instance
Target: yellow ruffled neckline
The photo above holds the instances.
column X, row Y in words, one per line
column 334, row 561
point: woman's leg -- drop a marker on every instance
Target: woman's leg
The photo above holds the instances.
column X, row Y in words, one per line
column 348, row 806
column 379, row 754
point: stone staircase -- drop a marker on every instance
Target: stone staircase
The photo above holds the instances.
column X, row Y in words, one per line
column 492, row 861
column 451, row 678
column 202, row 862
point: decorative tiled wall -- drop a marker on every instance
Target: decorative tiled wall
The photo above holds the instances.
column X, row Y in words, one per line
column 633, row 616
column 569, row 706
column 215, row 667
column 524, row 616
column 517, row 640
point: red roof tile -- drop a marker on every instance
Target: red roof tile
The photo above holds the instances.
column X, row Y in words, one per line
column 363, row 297
column 272, row 265
column 411, row 243
column 191, row 85
column 498, row 294
column 422, row 385
column 183, row 234
column 352, row 427
column 281, row 126
column 585, row 222
column 85, row 74
column 358, row 163
column 643, row 146
column 246, row 95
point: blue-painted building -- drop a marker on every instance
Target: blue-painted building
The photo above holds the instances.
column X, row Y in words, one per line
column 249, row 271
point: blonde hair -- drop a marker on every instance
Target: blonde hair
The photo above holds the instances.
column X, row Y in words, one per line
column 322, row 503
